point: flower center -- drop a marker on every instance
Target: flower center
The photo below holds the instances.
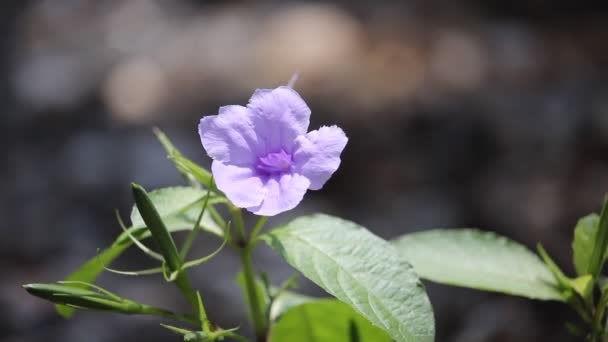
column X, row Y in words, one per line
column 276, row 162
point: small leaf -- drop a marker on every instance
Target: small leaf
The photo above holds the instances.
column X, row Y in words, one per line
column 478, row 260
column 598, row 252
column 190, row 171
column 187, row 166
column 325, row 321
column 584, row 240
column 583, row 285
column 361, row 270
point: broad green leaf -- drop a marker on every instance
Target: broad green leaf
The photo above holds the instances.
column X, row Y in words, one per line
column 478, row 260
column 360, row 269
column 598, row 252
column 285, row 301
column 179, row 210
column 584, row 239
column 325, row 321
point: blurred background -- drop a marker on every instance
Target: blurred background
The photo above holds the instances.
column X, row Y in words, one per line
column 490, row 114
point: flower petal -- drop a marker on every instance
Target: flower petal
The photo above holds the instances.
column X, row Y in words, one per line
column 317, row 154
column 283, row 192
column 229, row 137
column 241, row 185
column 280, row 115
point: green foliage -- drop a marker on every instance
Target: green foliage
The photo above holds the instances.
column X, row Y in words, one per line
column 380, row 295
column 286, row 300
column 584, row 240
column 86, row 296
column 361, row 270
column 325, row 321
column 205, row 336
column 193, row 173
column 597, row 258
column 479, row 260
column 178, row 207
column 89, row 271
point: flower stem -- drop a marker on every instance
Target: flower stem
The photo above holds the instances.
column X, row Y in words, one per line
column 258, row 226
column 238, row 218
column 148, row 310
column 252, row 295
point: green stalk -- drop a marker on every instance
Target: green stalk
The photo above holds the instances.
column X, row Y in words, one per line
column 254, row 305
column 238, row 219
column 258, row 226
column 245, row 246
column 166, row 314
column 197, row 226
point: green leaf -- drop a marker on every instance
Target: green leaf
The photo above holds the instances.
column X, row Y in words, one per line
column 190, row 171
column 583, row 285
column 187, row 166
column 90, row 270
column 361, row 270
column 478, row 260
column 285, row 301
column 179, row 208
column 584, row 240
column 325, row 321
column 598, row 253
column 179, row 202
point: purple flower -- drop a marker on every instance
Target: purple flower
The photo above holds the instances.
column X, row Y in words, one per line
column 263, row 158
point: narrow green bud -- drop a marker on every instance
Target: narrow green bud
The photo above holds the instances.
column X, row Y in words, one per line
column 81, row 298
column 155, row 224
column 163, row 239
